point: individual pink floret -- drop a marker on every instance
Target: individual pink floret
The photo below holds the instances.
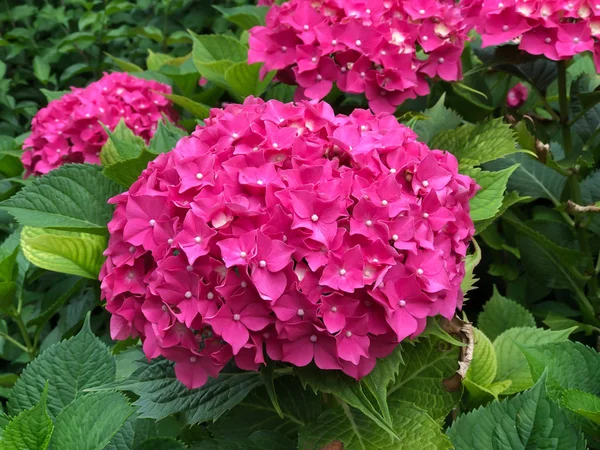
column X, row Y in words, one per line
column 69, row 129
column 303, row 236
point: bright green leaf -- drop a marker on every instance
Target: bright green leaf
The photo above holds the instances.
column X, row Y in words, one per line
column 500, row 314
column 121, row 144
column 69, row 367
column 71, row 197
column 213, row 47
column 582, row 403
column 483, row 367
column 476, row 144
column 512, row 364
column 488, row 200
column 196, row 109
column 244, row 79
column 471, row 262
column 68, row 252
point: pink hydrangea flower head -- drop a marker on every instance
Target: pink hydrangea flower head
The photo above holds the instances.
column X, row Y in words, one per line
column 555, row 29
column 517, row 95
column 69, row 129
column 284, row 230
column 384, row 49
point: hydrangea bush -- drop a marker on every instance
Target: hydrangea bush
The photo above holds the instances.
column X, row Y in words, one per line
column 322, row 237
column 384, row 49
column 71, row 128
column 279, row 271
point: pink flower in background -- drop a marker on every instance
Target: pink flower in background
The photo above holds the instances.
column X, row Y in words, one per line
column 305, row 237
column 69, row 129
column 517, row 95
column 385, row 49
column 555, row 29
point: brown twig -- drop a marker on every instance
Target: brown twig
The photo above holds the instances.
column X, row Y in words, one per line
column 573, row 208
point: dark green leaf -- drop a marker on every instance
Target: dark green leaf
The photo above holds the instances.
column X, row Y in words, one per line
column 30, row 430
column 500, row 314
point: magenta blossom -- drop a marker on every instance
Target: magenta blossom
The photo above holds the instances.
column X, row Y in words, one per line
column 69, row 129
column 384, row 49
column 283, row 230
column 517, row 95
column 555, row 29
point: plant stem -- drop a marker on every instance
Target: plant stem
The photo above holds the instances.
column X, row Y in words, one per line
column 573, row 180
column 13, row 341
column 29, row 348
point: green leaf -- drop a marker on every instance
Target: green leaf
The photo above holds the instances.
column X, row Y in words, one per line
column 582, row 403
column 72, row 197
column 31, row 429
column 166, row 137
column 68, row 252
column 439, row 118
column 217, row 47
column 196, row 109
column 529, row 420
column 214, row 54
column 124, row 65
column 471, row 262
column 127, row 171
column 53, row 95
column 348, row 426
column 162, row 394
column 483, row 366
column 570, row 365
column 427, row 364
column 381, row 376
column 299, row 407
column 246, row 16
column 479, row 395
column 476, row 144
column 488, row 200
column 162, row 443
column 121, row 145
column 90, row 421
column 269, row 382
column 500, row 314
column 559, row 322
column 259, row 440
column 41, row 69
column 546, row 262
column 532, row 178
column 346, row 389
column 155, row 61
column 512, row 364
column 244, row 79
column 590, row 188
column 69, row 367
column 509, row 199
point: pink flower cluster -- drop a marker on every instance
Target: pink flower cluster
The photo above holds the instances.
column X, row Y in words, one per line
column 517, row 95
column 69, row 129
column 287, row 229
column 384, row 49
column 555, row 29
